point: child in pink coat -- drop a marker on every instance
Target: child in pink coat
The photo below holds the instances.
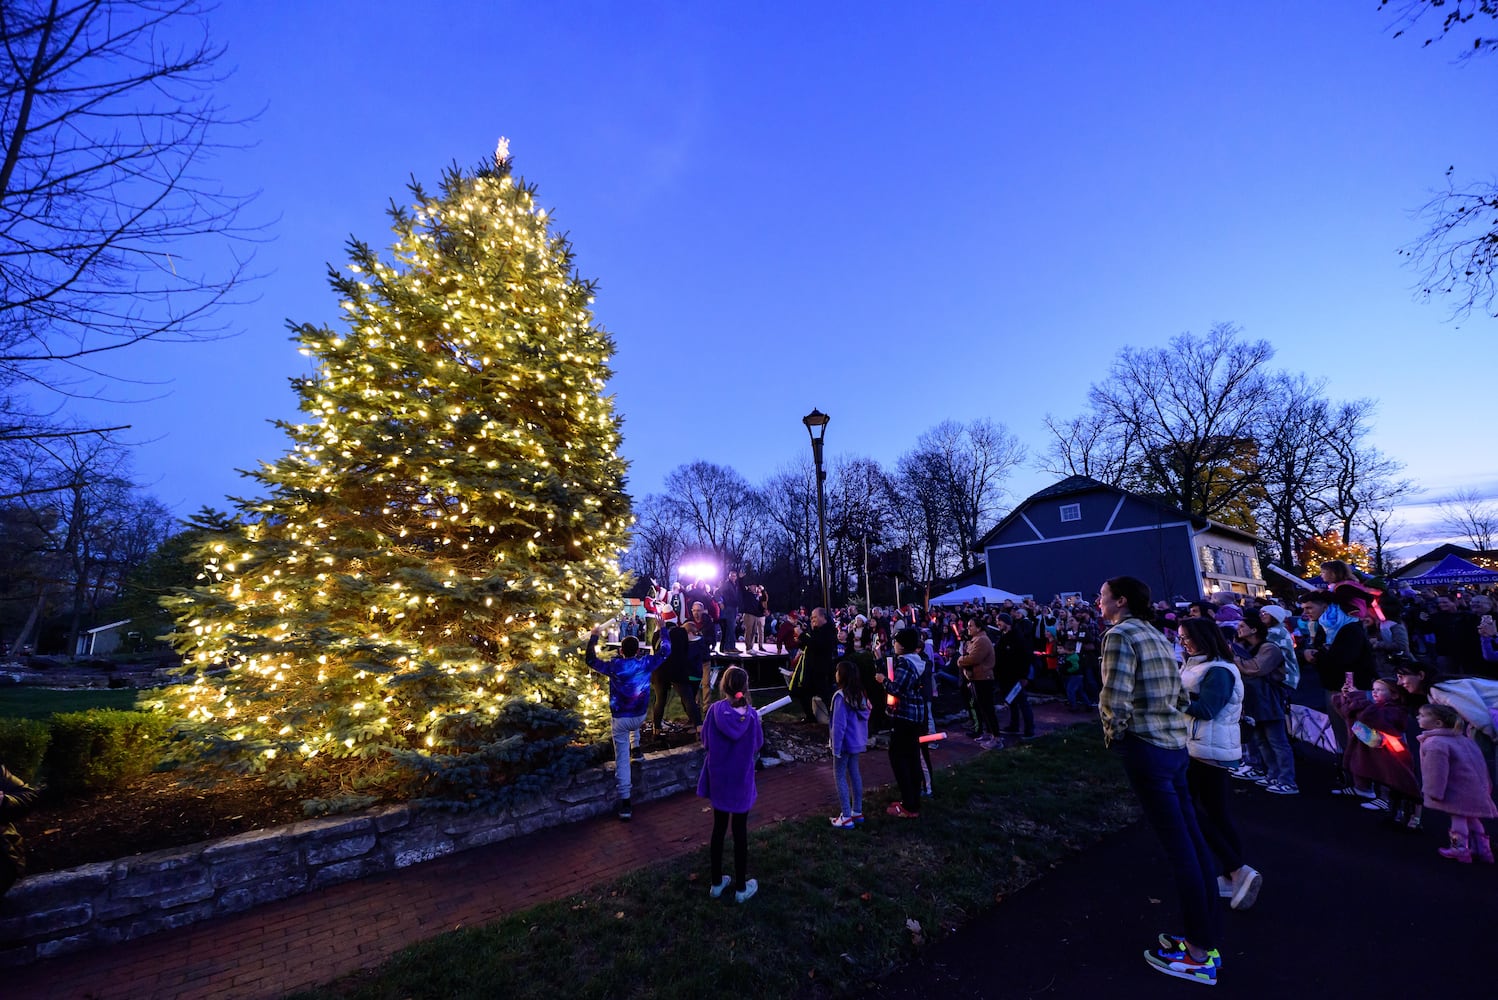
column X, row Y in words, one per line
column 1455, row 780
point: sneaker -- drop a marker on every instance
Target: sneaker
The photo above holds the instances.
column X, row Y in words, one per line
column 623, row 812
column 843, row 822
column 1224, row 888
column 1413, row 824
column 1175, row 943
column 1245, row 773
column 1181, row 965
column 1246, row 888
column 989, row 743
column 717, row 890
column 637, row 753
column 1282, row 788
column 857, row 819
column 743, row 895
column 1376, row 805
column 1263, row 781
column 1369, row 794
column 900, row 812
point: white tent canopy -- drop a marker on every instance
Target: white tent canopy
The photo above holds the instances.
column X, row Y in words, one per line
column 976, row 594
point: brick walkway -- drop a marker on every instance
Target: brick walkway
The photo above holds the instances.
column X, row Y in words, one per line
column 315, row 938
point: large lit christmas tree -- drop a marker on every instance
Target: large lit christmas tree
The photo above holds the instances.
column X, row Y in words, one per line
column 447, row 524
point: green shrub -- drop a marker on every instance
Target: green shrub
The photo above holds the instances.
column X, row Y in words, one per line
column 23, row 744
column 104, row 748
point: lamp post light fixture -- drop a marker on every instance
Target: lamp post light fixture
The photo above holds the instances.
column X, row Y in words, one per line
column 816, row 428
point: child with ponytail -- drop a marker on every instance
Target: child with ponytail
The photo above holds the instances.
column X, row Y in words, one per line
column 732, row 737
column 850, row 738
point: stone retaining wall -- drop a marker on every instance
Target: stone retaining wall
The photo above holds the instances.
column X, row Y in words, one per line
column 59, row 912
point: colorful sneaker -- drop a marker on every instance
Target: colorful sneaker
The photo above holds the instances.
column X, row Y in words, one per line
column 843, row 822
column 1246, row 886
column 1180, row 964
column 1176, row 943
column 857, row 819
column 900, row 812
column 717, row 890
column 743, row 895
column 1282, row 788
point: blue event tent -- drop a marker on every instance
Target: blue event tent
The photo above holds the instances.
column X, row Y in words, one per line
column 1453, row 571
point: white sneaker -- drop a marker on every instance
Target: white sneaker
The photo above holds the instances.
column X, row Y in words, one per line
column 1224, row 887
column 750, row 888
column 1246, row 886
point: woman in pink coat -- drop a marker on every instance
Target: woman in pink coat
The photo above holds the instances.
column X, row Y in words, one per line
column 1455, row 779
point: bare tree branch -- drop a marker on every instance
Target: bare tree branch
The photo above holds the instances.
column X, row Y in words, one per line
column 110, row 234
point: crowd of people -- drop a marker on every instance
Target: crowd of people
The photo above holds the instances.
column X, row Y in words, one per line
column 1191, row 695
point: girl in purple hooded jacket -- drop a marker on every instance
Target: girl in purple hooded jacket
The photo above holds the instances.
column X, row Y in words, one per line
column 732, row 737
column 850, row 738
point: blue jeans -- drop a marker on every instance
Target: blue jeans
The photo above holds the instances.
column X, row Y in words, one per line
column 625, row 730
column 1158, row 777
column 849, row 783
column 1272, row 746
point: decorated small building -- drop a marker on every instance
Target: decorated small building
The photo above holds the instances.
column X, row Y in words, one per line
column 1074, row 535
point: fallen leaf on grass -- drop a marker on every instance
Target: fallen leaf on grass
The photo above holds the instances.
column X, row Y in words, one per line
column 619, row 915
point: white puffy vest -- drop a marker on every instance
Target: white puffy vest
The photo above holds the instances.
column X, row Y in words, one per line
column 1215, row 739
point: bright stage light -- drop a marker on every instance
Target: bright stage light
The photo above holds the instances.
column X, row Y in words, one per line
column 698, row 571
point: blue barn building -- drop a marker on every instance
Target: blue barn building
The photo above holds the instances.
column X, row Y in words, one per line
column 1072, row 536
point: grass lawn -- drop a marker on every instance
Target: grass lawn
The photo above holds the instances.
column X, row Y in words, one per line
column 24, row 702
column 835, row 911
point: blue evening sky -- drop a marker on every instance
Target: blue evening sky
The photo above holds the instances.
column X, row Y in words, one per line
column 895, row 213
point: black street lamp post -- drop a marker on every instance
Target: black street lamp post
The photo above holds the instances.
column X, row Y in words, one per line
column 816, row 427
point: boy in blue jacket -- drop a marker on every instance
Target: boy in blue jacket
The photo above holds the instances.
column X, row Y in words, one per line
column 629, row 698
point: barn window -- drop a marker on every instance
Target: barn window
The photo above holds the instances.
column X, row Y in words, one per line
column 1071, row 512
